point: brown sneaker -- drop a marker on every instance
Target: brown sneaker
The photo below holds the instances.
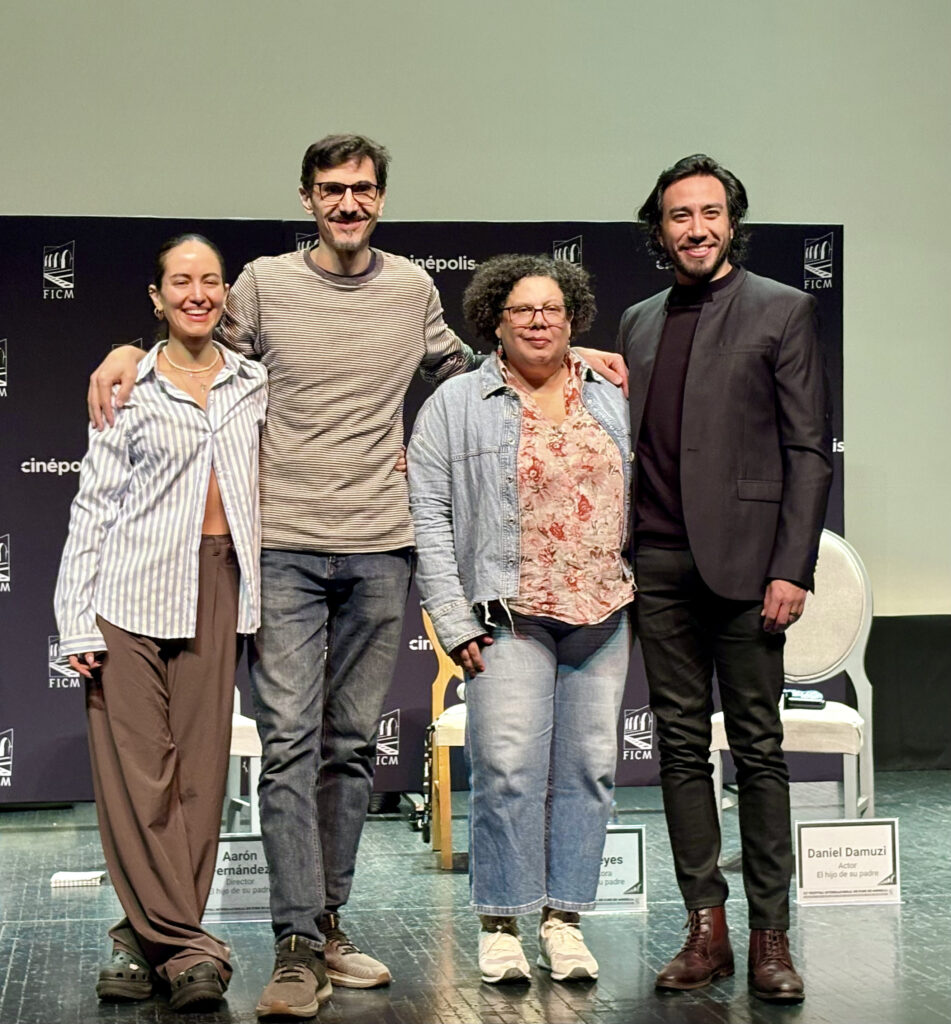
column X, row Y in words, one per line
column 299, row 983
column 771, row 972
column 706, row 955
column 347, row 966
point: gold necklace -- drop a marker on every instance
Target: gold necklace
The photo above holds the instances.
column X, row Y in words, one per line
column 198, row 371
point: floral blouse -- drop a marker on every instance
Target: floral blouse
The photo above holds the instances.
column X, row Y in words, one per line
column 571, row 503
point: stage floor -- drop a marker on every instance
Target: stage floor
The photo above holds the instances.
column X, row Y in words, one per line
column 862, row 965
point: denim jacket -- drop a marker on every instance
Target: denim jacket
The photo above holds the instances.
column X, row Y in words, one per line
column 462, row 464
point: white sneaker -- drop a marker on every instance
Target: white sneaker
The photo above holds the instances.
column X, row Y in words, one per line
column 562, row 951
column 501, row 958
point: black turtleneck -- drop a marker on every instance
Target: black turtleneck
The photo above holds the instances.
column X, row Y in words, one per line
column 658, row 510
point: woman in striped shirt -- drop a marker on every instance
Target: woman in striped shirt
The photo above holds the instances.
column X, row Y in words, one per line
column 158, row 576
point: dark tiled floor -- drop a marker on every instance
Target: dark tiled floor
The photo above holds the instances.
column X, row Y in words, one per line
column 864, row 965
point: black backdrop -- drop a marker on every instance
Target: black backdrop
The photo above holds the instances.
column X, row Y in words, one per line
column 70, row 288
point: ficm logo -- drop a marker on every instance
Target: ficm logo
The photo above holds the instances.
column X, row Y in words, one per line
column 817, row 263
column 6, row 576
column 6, row 757
column 3, row 367
column 638, row 734
column 302, row 241
column 388, row 741
column 59, row 262
column 62, row 675
column 568, row 249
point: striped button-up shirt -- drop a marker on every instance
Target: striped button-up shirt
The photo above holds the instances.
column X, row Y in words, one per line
column 135, row 525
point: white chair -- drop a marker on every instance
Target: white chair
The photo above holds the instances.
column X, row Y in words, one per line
column 829, row 638
column 448, row 729
column 245, row 743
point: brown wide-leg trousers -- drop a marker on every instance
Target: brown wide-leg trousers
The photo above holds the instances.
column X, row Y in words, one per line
column 159, row 733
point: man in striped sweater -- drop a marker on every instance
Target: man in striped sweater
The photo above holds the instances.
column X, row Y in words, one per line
column 342, row 329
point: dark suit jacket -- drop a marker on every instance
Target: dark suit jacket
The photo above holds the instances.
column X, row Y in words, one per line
column 755, row 455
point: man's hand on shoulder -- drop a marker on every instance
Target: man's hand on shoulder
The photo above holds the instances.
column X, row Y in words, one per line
column 119, row 367
column 782, row 605
column 610, row 365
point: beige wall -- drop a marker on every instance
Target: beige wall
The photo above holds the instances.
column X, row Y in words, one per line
column 830, row 110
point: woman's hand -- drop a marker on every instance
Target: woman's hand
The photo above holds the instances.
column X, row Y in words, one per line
column 469, row 655
column 119, row 367
column 85, row 663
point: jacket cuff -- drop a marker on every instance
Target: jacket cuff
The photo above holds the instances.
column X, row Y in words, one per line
column 455, row 624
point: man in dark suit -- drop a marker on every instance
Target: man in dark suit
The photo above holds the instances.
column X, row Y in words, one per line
column 729, row 412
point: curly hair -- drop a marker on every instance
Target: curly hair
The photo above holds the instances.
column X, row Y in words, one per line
column 333, row 150
column 493, row 281
column 651, row 213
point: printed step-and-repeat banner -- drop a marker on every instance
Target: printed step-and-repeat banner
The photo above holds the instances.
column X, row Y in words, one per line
column 72, row 288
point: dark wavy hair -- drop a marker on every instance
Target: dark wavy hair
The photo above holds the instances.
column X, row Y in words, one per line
column 651, row 213
column 333, row 150
column 494, row 279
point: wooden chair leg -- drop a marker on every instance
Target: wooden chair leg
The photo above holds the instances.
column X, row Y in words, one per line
column 442, row 798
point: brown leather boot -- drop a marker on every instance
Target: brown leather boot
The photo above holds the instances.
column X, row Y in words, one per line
column 706, row 955
column 771, row 972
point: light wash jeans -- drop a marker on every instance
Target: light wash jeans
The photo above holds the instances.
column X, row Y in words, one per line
column 541, row 738
column 321, row 665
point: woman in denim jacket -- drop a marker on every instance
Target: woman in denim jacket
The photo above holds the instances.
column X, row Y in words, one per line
column 519, row 480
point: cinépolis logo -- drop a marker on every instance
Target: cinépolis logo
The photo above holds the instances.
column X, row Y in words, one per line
column 817, row 263
column 62, row 675
column 638, row 734
column 568, row 249
column 3, row 367
column 59, row 270
column 6, row 576
column 57, row 467
column 388, row 742
column 6, row 757
column 437, row 264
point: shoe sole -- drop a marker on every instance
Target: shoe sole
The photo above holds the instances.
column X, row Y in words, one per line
column 115, row 990
column 353, row 981
column 666, row 986
column 575, row 974
column 284, row 1011
column 512, row 976
column 778, row 997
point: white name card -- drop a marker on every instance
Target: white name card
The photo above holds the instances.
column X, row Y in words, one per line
column 852, row 861
column 622, row 886
column 240, row 886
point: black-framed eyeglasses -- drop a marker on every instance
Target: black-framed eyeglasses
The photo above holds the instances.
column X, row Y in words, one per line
column 333, row 191
column 554, row 314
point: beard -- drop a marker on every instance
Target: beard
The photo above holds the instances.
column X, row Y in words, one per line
column 350, row 243
column 699, row 271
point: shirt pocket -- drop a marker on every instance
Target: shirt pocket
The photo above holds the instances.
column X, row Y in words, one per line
column 759, row 490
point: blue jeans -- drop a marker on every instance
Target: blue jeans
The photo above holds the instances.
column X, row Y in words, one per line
column 541, row 736
column 321, row 664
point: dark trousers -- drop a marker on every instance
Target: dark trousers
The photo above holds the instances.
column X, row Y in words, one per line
column 159, row 731
column 686, row 631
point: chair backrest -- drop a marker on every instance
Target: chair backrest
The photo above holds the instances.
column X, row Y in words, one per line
column 447, row 669
column 837, row 618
